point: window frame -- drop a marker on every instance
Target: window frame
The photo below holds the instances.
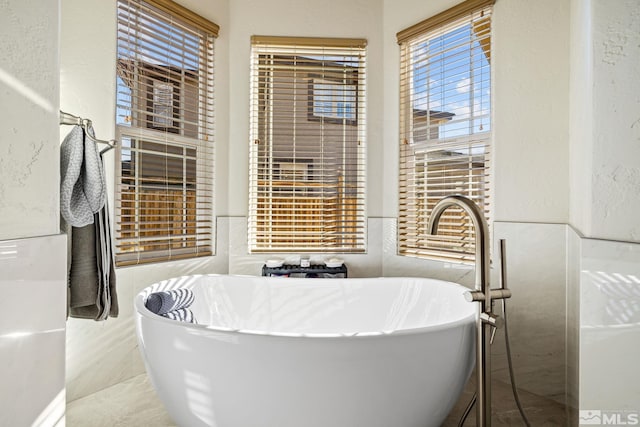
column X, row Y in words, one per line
column 268, row 196
column 430, row 163
column 180, row 188
column 333, row 118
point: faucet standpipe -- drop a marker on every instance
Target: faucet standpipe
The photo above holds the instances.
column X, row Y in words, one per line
column 486, row 322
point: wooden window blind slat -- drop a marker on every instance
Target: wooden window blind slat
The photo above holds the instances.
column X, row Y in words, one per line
column 164, row 116
column 445, row 128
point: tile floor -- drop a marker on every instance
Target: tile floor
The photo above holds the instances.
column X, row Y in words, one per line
column 133, row 403
column 540, row 411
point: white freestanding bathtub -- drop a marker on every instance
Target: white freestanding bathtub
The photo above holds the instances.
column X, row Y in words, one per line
column 287, row 352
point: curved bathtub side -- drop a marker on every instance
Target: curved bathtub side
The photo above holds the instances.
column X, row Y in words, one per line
column 215, row 378
column 174, row 363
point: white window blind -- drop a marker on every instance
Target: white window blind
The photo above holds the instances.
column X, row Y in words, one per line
column 164, row 117
column 307, row 166
column 445, row 128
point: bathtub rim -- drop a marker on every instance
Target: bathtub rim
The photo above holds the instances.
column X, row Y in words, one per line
column 142, row 310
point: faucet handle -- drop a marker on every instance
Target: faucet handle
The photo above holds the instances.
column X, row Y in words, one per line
column 493, row 334
column 492, row 319
column 472, row 296
column 494, row 322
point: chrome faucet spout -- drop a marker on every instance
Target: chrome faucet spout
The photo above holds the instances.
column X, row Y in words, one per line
column 486, row 321
column 481, row 230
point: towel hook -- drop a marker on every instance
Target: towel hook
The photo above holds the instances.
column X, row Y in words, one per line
column 71, row 119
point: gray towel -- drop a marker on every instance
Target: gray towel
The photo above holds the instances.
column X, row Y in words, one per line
column 92, row 279
column 165, row 301
column 106, row 262
column 82, row 183
column 83, row 271
column 181, row 314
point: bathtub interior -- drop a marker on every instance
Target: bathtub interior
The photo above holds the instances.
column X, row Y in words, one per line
column 344, row 307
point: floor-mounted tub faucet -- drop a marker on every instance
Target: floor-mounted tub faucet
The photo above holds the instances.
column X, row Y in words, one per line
column 487, row 321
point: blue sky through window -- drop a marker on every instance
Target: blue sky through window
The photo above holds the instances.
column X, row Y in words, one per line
column 451, row 74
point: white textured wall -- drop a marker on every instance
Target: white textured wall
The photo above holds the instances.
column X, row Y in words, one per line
column 581, row 115
column 605, row 119
column 616, row 120
column 531, row 110
column 29, row 166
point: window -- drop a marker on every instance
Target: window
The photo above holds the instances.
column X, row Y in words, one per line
column 164, row 119
column 161, row 104
column 307, row 163
column 445, row 128
column 333, row 102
